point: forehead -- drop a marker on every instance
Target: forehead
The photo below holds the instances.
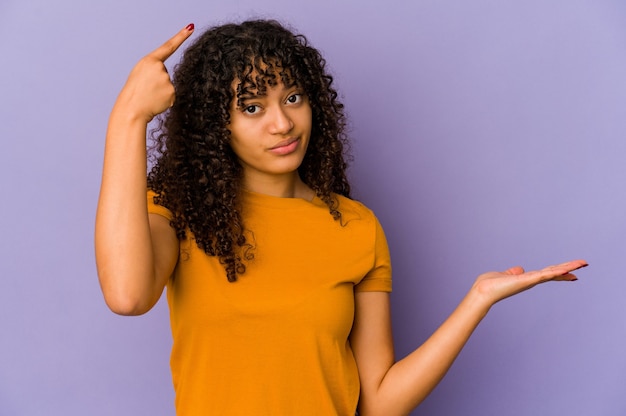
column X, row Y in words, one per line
column 256, row 77
column 259, row 71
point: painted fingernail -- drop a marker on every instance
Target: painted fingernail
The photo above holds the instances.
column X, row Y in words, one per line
column 190, row 27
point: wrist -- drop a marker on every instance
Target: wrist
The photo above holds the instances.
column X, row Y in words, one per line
column 478, row 301
column 129, row 109
column 129, row 115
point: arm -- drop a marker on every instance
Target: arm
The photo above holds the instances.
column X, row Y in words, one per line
column 389, row 388
column 135, row 252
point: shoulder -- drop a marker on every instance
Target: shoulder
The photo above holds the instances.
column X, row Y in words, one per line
column 354, row 210
column 353, row 206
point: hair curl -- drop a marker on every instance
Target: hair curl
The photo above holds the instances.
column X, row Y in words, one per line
column 196, row 174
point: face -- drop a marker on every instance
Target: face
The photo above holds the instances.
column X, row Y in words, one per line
column 270, row 133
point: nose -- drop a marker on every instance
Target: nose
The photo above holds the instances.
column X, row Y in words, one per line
column 280, row 122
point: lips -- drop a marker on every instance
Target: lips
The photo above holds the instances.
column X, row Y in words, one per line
column 285, row 147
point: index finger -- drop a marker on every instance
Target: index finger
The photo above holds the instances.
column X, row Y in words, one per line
column 563, row 269
column 569, row 266
column 168, row 48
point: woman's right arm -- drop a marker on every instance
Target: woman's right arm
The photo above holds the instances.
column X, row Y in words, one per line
column 135, row 252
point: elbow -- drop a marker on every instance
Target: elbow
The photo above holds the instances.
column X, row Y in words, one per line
column 123, row 295
column 125, row 306
column 125, row 301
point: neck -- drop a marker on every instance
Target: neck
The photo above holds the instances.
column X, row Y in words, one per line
column 282, row 186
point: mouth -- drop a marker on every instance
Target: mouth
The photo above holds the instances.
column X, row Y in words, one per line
column 285, row 147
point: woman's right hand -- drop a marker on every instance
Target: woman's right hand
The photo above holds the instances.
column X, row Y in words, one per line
column 149, row 90
column 135, row 255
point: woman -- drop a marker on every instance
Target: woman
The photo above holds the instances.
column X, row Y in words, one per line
column 278, row 283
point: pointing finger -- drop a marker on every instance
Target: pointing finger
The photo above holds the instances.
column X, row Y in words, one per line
column 168, row 48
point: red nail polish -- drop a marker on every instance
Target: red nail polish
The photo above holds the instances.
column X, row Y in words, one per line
column 190, row 27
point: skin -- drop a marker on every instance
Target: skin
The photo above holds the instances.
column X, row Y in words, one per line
column 270, row 134
column 136, row 252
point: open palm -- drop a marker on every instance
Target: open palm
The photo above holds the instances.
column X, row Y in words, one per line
column 495, row 286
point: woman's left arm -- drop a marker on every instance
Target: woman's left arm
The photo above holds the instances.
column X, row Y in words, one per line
column 395, row 388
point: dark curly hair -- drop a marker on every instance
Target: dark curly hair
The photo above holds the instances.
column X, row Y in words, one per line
column 196, row 174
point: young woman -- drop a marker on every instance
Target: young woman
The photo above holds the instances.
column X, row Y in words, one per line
column 277, row 282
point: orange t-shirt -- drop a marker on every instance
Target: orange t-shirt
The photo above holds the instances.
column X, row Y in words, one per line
column 276, row 341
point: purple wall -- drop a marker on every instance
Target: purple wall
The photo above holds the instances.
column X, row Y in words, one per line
column 487, row 134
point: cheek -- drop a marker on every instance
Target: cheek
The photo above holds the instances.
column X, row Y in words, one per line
column 305, row 118
column 240, row 134
column 237, row 147
column 245, row 147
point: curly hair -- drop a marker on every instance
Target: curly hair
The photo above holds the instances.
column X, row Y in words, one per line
column 196, row 174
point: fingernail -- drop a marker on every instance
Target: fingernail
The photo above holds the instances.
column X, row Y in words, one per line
column 190, row 27
column 574, row 279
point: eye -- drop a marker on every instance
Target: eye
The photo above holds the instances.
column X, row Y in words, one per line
column 251, row 109
column 294, row 98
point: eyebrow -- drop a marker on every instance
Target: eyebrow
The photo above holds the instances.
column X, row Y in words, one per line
column 246, row 97
column 240, row 101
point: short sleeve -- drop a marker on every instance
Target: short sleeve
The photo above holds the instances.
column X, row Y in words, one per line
column 378, row 279
column 153, row 208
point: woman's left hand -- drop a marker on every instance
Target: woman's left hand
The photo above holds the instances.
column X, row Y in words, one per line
column 495, row 286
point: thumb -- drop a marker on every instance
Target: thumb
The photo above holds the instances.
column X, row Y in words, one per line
column 515, row 270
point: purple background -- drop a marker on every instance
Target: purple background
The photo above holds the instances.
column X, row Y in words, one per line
column 487, row 134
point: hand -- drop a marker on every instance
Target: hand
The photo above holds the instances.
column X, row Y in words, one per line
column 495, row 286
column 149, row 90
